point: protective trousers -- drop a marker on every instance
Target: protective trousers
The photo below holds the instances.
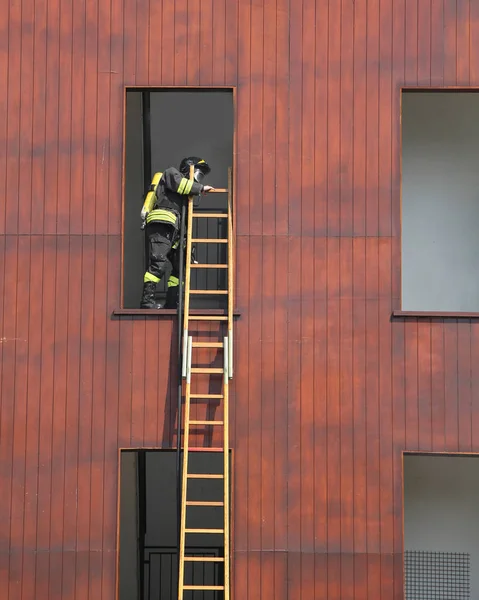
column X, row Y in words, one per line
column 161, row 238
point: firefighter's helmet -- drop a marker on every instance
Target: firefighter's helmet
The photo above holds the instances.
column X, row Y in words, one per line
column 202, row 168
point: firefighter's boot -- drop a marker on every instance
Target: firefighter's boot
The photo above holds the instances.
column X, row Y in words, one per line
column 172, row 297
column 148, row 297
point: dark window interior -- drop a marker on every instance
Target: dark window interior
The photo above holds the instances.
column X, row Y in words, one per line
column 162, row 127
column 148, row 563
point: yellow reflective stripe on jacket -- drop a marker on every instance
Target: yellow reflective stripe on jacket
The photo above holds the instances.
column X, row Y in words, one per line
column 173, row 281
column 149, row 277
column 188, row 186
column 161, row 215
column 181, row 187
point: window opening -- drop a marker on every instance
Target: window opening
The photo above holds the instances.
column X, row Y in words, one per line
column 441, row 527
column 440, row 201
column 162, row 127
column 148, row 550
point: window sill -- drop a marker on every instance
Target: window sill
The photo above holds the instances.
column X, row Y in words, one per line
column 420, row 314
column 168, row 313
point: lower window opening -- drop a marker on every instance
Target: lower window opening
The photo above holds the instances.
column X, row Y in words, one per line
column 441, row 527
column 148, row 549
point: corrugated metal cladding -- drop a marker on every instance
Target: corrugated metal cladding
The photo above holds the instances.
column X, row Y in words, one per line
column 328, row 389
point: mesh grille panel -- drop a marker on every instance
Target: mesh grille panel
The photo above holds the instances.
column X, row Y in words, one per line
column 437, row 575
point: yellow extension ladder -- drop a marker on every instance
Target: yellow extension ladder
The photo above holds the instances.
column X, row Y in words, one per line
column 189, row 370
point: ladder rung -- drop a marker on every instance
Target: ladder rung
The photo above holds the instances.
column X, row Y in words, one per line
column 203, row 503
column 206, row 396
column 210, row 215
column 219, row 191
column 206, row 423
column 210, row 240
column 209, row 292
column 208, row 344
column 206, row 318
column 210, row 266
column 206, row 370
column 203, row 587
column 204, row 558
column 204, row 476
column 206, row 449
column 204, row 530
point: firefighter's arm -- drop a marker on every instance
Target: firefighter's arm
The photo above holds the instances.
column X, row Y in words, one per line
column 175, row 181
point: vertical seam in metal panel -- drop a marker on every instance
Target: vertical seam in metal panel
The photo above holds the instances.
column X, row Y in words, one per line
column 83, row 134
column 97, row 98
column 27, row 379
column 19, row 124
column 314, row 377
column 57, row 191
column 469, row 39
column 32, row 122
column 416, row 361
column 275, row 242
column 175, row 82
column 300, row 301
column 340, row 307
column 378, row 303
column 108, row 130
column 456, row 354
column 106, row 461
column 224, row 80
column 67, row 341
column 457, row 56
column 12, row 378
column 44, row 121
column 40, row 396
column 250, row 162
column 326, row 390
column 54, row 332
column 430, row 42
column 91, row 411
column 444, row 434
column 148, row 45
column 431, row 388
column 7, row 107
column 70, row 132
column 260, row 325
column 137, row 53
column 353, row 324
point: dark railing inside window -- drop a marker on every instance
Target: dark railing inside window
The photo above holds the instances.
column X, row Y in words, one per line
column 160, row 571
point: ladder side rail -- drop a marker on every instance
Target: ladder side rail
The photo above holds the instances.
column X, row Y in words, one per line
column 230, row 275
column 184, row 477
column 179, row 375
column 226, row 470
column 186, row 372
column 186, row 309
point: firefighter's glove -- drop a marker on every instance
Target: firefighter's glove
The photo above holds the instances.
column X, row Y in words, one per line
column 207, row 188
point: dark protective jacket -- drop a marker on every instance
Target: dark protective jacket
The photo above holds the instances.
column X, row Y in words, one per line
column 171, row 193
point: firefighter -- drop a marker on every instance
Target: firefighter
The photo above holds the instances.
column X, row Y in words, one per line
column 161, row 216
